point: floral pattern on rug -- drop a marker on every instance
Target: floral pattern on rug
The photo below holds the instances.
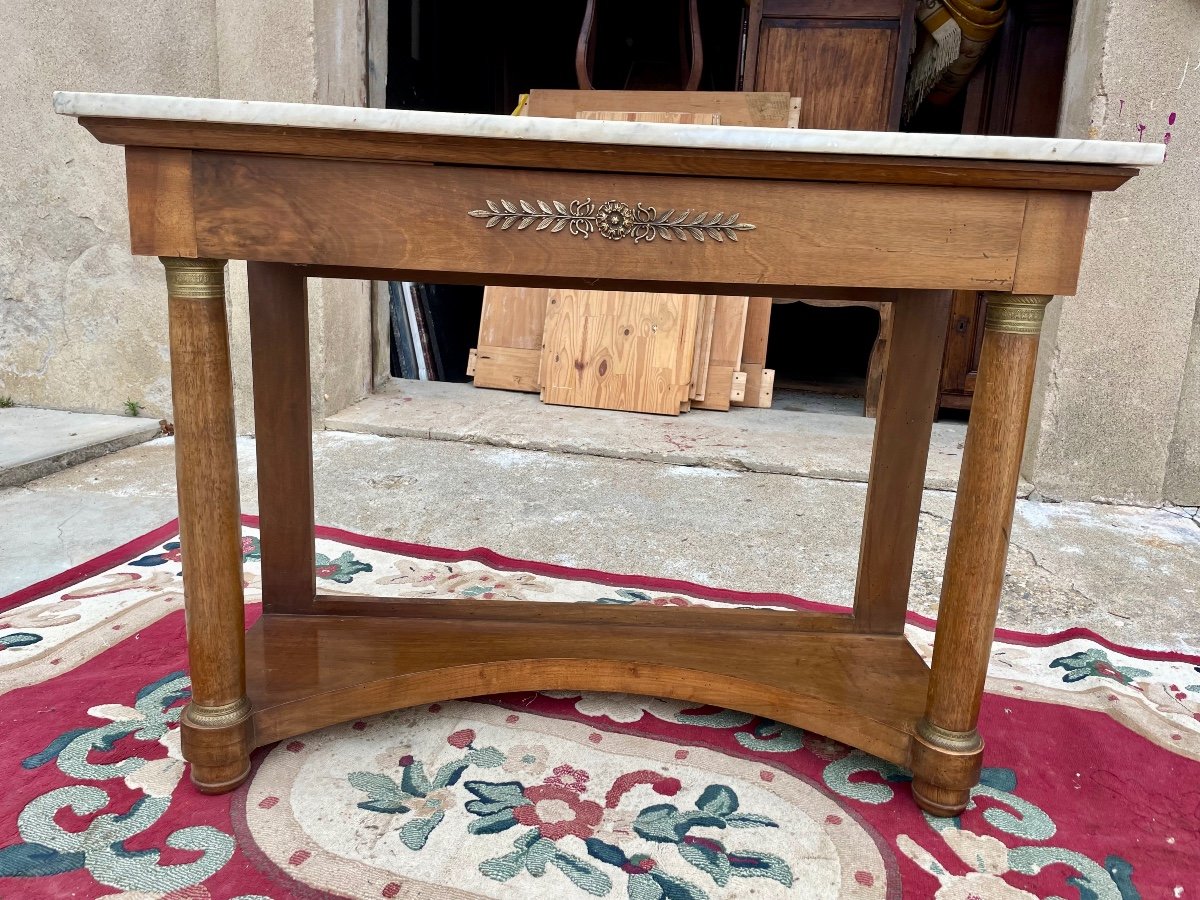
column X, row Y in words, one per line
column 1091, row 791
column 497, row 803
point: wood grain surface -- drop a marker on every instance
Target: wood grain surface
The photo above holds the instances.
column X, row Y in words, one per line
column 308, row 672
column 368, row 214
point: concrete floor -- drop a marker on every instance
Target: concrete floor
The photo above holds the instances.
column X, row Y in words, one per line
column 1131, row 574
column 36, row 442
column 802, row 434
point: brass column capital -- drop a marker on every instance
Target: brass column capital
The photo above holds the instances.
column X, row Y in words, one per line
column 195, row 279
column 1016, row 313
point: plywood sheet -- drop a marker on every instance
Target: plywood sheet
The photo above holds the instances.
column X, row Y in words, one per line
column 619, row 350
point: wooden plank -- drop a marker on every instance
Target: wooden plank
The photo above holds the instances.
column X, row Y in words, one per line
column 618, row 350
column 723, row 381
column 704, row 337
column 674, row 117
column 512, row 153
column 729, row 331
column 699, row 372
column 1052, row 242
column 759, row 387
column 898, row 458
column 283, row 434
column 506, row 368
column 511, row 320
column 794, row 112
column 758, row 328
column 307, row 672
column 159, row 185
column 762, row 109
column 369, row 214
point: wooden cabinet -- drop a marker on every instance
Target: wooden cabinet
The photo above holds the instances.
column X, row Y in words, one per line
column 845, row 59
column 964, row 341
column 1016, row 90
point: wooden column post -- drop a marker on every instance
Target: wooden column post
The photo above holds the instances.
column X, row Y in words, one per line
column 215, row 726
column 899, row 454
column 947, row 750
column 283, row 435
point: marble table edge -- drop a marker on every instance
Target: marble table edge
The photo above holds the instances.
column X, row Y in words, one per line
column 649, row 134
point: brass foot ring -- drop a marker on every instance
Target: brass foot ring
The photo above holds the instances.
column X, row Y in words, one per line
column 951, row 741
column 216, row 717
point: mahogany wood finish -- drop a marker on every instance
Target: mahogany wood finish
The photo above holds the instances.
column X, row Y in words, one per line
column 283, row 434
column 903, row 426
column 350, row 213
column 299, row 205
column 307, row 672
column 332, row 143
column 983, row 512
column 215, row 724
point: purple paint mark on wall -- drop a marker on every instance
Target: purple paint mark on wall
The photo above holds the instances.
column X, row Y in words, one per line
column 1166, row 139
column 1121, row 111
column 1141, row 130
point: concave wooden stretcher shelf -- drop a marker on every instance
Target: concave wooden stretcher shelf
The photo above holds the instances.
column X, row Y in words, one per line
column 306, row 672
column 302, row 191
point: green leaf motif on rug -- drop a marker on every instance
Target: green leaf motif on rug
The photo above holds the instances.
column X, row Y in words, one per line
column 1094, row 663
column 547, row 816
column 46, row 848
column 341, row 569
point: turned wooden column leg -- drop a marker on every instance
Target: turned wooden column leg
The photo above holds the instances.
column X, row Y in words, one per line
column 947, row 749
column 215, row 726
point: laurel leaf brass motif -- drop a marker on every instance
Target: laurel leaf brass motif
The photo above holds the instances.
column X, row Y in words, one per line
column 612, row 219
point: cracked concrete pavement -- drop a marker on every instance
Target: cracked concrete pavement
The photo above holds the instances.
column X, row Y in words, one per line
column 1131, row 574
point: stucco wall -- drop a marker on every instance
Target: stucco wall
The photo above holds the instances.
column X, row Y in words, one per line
column 82, row 323
column 1116, row 406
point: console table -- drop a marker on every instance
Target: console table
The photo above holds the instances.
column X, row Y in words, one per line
column 316, row 191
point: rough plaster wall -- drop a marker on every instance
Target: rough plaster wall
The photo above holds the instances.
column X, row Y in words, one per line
column 1114, row 356
column 345, row 331
column 264, row 52
column 82, row 323
column 1182, row 485
column 299, row 51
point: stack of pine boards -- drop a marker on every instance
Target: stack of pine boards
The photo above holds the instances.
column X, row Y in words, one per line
column 634, row 351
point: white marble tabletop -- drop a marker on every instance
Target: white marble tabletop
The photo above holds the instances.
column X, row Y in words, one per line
column 643, row 134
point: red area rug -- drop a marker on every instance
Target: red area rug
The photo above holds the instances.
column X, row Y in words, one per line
column 1091, row 788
